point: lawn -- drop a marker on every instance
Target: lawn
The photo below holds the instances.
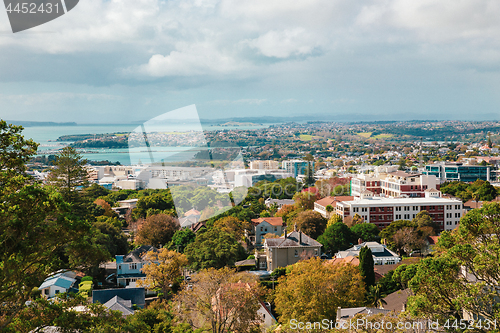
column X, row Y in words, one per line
column 383, row 136
column 365, row 134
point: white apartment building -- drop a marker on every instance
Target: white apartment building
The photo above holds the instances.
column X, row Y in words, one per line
column 264, row 165
column 394, row 184
column 381, row 211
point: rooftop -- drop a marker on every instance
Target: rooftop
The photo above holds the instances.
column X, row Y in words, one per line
column 274, row 221
column 294, row 239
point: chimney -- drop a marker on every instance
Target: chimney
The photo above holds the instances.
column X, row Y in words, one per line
column 300, row 237
column 360, row 241
column 285, row 233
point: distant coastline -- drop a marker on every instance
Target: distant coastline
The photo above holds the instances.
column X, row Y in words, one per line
column 25, row 123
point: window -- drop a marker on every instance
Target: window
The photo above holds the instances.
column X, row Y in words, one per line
column 133, row 266
column 275, row 229
column 296, row 253
column 57, row 291
column 46, row 291
column 261, row 228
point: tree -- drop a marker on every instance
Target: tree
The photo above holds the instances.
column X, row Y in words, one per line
column 39, row 235
column 112, row 238
column 312, row 291
column 157, row 230
column 233, row 226
column 154, row 203
column 423, row 219
column 368, row 232
column 352, row 221
column 305, row 200
column 288, row 212
column 221, row 301
column 463, row 276
column 181, row 239
column 69, row 173
column 366, row 266
column 164, row 270
column 214, row 248
column 15, row 152
column 309, row 175
column 375, row 297
column 334, row 219
column 407, row 239
column 309, row 222
column 337, row 237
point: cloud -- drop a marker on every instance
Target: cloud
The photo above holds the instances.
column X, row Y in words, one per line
column 190, row 60
column 284, row 44
column 288, row 101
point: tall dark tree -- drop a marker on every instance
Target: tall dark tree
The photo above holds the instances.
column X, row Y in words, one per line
column 366, row 266
column 69, row 173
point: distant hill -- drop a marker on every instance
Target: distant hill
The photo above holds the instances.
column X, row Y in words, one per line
column 39, row 123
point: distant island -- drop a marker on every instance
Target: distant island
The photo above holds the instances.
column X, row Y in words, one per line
column 25, row 123
column 237, row 123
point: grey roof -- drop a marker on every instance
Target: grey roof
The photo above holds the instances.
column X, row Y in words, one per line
column 246, row 262
column 119, row 304
column 294, row 239
column 351, row 312
column 135, row 295
column 136, row 255
column 58, row 280
column 189, row 220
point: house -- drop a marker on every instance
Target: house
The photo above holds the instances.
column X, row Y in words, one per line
column 279, row 202
column 61, row 282
column 190, row 217
column 352, row 261
column 263, row 226
column 396, row 301
column 320, row 205
column 345, row 315
column 287, row 250
column 381, row 254
column 119, row 304
column 122, row 296
column 129, row 267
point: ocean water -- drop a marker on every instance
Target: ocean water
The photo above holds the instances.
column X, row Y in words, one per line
column 46, row 136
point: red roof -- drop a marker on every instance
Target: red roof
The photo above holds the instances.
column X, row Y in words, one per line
column 274, row 221
column 192, row 212
column 332, row 200
column 432, row 240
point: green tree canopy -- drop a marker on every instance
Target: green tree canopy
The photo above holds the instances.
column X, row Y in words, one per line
column 368, row 232
column 337, row 237
column 214, row 248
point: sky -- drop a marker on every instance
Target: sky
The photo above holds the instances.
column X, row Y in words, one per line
column 120, row 61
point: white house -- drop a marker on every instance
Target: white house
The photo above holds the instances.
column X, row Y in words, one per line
column 381, row 254
column 60, row 283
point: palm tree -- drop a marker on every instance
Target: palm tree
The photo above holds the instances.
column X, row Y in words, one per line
column 374, row 297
